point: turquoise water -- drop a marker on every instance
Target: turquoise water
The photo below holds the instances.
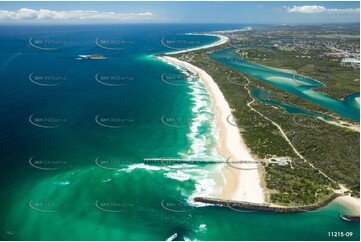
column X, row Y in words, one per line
column 265, row 96
column 71, row 166
column 295, row 84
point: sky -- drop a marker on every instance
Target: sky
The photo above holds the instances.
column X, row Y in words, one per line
column 252, row 12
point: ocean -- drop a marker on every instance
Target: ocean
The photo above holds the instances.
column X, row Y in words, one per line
column 75, row 130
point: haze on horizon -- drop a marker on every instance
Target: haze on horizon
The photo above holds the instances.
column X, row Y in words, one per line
column 179, row 12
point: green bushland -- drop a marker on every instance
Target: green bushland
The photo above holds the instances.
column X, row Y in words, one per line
column 340, row 81
column 333, row 150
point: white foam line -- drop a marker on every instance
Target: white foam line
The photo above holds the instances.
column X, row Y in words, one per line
column 222, row 40
column 248, row 182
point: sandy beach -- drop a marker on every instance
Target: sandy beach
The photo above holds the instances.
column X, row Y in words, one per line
column 350, row 202
column 243, row 181
column 222, row 40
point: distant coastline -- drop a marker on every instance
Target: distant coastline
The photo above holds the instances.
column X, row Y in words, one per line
column 222, row 40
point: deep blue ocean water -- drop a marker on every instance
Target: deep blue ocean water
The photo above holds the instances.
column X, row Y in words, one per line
column 74, row 132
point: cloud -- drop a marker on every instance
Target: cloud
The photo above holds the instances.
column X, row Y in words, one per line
column 305, row 9
column 45, row 14
column 344, row 10
column 309, row 9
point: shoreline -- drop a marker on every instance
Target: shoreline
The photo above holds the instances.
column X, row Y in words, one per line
column 243, row 183
column 238, row 187
column 222, row 40
column 352, row 203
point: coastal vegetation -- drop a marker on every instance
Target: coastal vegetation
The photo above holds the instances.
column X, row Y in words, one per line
column 332, row 150
column 339, row 81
